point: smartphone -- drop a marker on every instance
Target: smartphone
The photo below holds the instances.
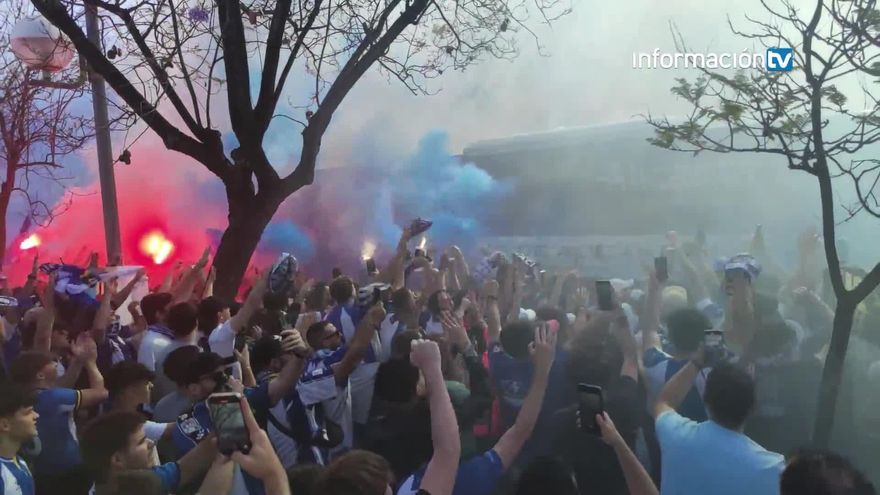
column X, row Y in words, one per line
column 661, row 268
column 590, row 403
column 604, row 293
column 713, row 348
column 371, row 266
column 232, row 433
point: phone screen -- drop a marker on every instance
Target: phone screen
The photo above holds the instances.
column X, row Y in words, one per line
column 604, row 295
column 371, row 266
column 229, row 424
column 590, row 404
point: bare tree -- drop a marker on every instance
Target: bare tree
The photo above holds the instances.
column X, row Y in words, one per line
column 802, row 117
column 38, row 128
column 191, row 55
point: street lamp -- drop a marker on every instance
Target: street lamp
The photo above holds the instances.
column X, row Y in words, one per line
column 41, row 46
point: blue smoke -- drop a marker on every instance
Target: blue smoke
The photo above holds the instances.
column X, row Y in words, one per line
column 285, row 236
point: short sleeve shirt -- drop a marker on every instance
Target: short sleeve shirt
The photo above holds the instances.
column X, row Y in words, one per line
column 700, row 455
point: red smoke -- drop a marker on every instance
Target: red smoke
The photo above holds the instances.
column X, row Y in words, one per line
column 159, row 191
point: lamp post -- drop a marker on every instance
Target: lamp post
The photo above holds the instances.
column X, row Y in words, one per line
column 41, row 46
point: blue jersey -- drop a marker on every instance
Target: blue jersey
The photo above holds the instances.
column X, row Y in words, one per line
column 346, row 318
column 195, row 425
column 478, row 475
column 59, row 449
column 15, row 477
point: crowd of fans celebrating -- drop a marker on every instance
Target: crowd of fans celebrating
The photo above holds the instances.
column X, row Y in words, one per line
column 430, row 376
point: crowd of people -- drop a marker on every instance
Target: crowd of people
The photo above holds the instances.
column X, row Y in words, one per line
column 430, row 376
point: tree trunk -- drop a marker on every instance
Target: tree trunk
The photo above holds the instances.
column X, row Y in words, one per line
column 247, row 220
column 832, row 374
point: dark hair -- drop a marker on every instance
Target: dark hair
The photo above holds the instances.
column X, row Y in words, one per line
column 516, row 337
column 265, row 350
column 729, row 396
column 207, row 313
column 396, row 381
column 314, row 330
column 342, row 289
column 104, row 436
column 401, row 343
column 357, row 472
column 125, row 374
column 177, row 363
column 547, row 475
column 15, row 397
column 302, row 478
column 26, row 366
column 315, row 298
column 401, row 300
column 152, row 304
column 822, row 473
column 275, row 301
column 434, row 302
column 182, row 319
column 687, row 328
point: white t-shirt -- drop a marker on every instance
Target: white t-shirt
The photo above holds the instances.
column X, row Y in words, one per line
column 152, row 346
column 222, row 342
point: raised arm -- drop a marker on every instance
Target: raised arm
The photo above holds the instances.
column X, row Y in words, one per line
column 393, row 273
column 183, row 291
column 86, row 351
column 543, row 353
column 677, row 388
column 197, row 461
column 253, row 302
column 492, row 313
column 46, row 318
column 650, row 336
column 168, row 282
column 294, row 352
column 104, row 314
column 122, row 295
column 208, row 291
column 247, row 373
column 638, row 481
column 439, row 477
column 359, row 344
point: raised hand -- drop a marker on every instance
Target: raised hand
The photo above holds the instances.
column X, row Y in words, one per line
column 203, row 261
column 610, row 435
column 292, row 342
column 84, row 348
column 543, row 348
column 261, row 461
column 490, row 289
column 425, row 355
column 453, row 326
column 377, row 313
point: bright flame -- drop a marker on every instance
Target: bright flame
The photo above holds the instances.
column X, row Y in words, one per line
column 31, row 242
column 423, row 243
column 368, row 250
column 156, row 246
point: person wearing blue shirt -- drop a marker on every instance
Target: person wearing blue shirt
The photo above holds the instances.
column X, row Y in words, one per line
column 18, row 425
column 713, row 455
column 57, row 466
column 208, row 375
column 687, row 328
column 115, row 443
